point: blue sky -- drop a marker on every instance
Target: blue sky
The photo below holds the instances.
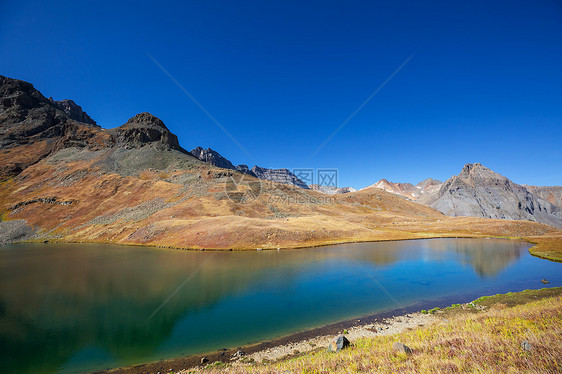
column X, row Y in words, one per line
column 484, row 85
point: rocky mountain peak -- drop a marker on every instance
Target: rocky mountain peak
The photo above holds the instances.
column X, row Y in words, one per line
column 480, row 192
column 24, row 111
column 147, row 120
column 73, row 110
column 476, row 169
column 142, row 129
column 212, row 157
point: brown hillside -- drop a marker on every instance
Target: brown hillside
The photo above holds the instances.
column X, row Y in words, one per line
column 70, row 181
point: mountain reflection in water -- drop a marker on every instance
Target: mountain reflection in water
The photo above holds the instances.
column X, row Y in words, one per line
column 81, row 307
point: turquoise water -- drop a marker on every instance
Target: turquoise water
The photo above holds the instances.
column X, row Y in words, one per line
column 74, row 308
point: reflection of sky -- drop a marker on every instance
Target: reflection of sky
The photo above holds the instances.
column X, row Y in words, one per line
column 96, row 301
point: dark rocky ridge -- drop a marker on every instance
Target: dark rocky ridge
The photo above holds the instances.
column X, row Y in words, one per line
column 274, row 175
column 73, row 110
column 142, row 129
column 26, row 115
column 479, row 192
column 29, row 120
column 279, row 176
column 214, row 158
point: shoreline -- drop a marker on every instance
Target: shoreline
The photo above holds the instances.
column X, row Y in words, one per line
column 387, row 322
column 280, row 248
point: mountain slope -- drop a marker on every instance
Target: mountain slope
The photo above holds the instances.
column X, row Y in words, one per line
column 552, row 194
column 479, row 192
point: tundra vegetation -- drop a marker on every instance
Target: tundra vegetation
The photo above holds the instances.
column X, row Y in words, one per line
column 515, row 332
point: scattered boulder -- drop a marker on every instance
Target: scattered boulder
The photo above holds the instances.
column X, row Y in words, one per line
column 401, row 348
column 240, row 353
column 204, row 360
column 338, row 343
column 526, row 346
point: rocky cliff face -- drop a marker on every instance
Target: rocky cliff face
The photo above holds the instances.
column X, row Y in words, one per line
column 73, row 110
column 552, row 194
column 32, row 127
column 479, row 192
column 214, row 158
column 274, row 175
column 279, row 176
column 25, row 114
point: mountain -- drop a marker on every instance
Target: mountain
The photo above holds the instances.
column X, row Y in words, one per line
column 408, row 190
column 273, row 175
column 142, row 129
column 32, row 127
column 73, row 110
column 552, row 194
column 214, row 158
column 479, row 192
column 69, row 181
column 279, row 176
column 330, row 190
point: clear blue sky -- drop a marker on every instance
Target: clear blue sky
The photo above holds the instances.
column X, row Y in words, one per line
column 485, row 84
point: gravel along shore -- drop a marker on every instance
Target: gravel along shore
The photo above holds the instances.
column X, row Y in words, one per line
column 387, row 326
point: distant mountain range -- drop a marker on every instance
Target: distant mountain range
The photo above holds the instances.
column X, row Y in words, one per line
column 331, row 190
column 64, row 178
column 408, row 190
column 479, row 192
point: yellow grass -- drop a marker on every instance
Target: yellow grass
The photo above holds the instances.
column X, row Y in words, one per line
column 199, row 214
column 484, row 342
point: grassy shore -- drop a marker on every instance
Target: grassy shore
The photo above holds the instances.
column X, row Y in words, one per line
column 515, row 332
column 549, row 248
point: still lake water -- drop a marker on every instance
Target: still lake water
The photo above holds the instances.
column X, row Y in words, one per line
column 74, row 308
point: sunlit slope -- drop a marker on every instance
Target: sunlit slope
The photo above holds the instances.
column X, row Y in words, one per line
column 123, row 196
column 66, row 180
